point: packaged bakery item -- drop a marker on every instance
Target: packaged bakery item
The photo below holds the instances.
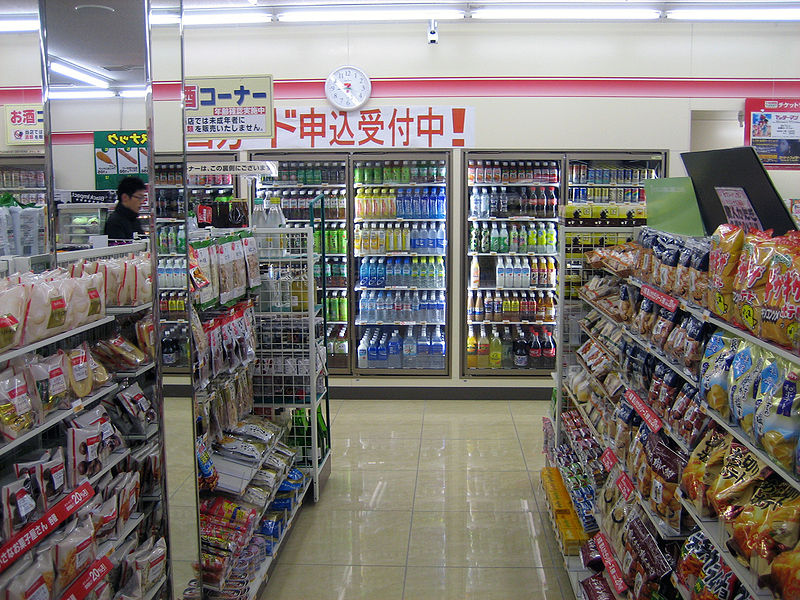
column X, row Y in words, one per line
column 12, row 311
column 741, row 474
column 133, row 399
column 79, row 371
column 781, row 305
column 121, row 352
column 19, row 505
column 666, row 467
column 50, row 375
column 726, row 248
column 74, row 553
column 51, row 479
column 743, row 382
column 145, row 335
column 720, row 352
column 776, row 422
column 45, row 310
column 20, row 406
column 87, row 302
column 767, row 526
column 703, row 468
column 83, row 453
column 98, row 417
column 152, row 565
column 696, row 550
column 35, row 582
column 100, row 375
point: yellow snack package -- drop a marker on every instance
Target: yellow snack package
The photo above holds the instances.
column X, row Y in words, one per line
column 726, row 248
column 781, row 305
column 751, row 276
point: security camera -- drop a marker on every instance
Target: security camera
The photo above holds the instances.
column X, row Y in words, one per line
column 433, row 32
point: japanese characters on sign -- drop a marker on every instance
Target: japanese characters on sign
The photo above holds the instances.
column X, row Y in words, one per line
column 659, row 297
column 610, row 563
column 609, row 459
column 738, row 208
column 88, row 579
column 250, row 167
column 24, row 124
column 380, row 127
column 624, row 485
column 119, row 154
column 772, row 128
column 648, row 415
column 229, row 107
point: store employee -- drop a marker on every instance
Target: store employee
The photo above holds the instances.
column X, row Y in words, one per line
column 124, row 221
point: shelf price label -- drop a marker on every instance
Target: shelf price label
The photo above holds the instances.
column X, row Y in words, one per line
column 625, row 485
column 37, row 531
column 659, row 297
column 648, row 414
column 610, row 563
column 88, row 580
column 609, row 459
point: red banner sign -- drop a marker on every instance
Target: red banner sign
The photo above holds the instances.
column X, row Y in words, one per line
column 611, row 564
column 648, row 415
column 88, row 580
column 625, row 485
column 609, row 459
column 36, row 532
column 659, row 297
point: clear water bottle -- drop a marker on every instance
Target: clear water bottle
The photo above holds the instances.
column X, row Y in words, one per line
column 363, row 351
column 381, row 280
column 372, row 353
column 439, row 273
column 274, row 243
column 405, row 315
column 406, row 277
column 423, row 349
column 485, row 204
column 383, row 352
column 424, row 308
column 395, row 351
column 363, row 273
column 441, row 204
column 372, row 309
column 416, row 205
column 372, row 280
column 398, row 306
column 415, row 306
column 437, row 349
column 440, row 306
column 410, row 349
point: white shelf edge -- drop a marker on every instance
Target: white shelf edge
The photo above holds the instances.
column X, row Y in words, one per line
column 56, row 338
column 127, row 310
column 114, row 460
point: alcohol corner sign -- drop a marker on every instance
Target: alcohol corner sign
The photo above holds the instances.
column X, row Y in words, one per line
column 119, row 154
column 229, row 107
column 24, row 124
column 772, row 128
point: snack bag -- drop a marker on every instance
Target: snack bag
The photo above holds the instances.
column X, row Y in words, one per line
column 726, row 248
column 206, row 292
column 695, row 551
column 743, row 380
column 698, row 273
column 779, row 311
column 783, row 575
column 741, row 474
column 776, row 423
column 666, row 467
column 716, row 580
column 752, row 294
column 703, row 468
column 743, row 294
column 720, row 352
column 681, row 287
column 250, row 248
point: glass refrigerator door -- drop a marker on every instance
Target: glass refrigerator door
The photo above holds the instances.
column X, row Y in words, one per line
column 300, row 179
column 511, row 269
column 400, row 245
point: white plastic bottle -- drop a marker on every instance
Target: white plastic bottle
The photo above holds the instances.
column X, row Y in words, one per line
column 409, row 349
column 275, row 218
column 500, row 273
column 363, row 348
column 475, row 273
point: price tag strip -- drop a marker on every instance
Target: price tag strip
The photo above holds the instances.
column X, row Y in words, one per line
column 88, row 579
column 648, row 415
column 659, row 297
column 610, row 563
column 36, row 532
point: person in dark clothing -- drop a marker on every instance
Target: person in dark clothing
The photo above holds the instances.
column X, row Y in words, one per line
column 124, row 221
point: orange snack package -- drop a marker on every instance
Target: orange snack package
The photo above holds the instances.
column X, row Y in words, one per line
column 743, row 313
column 780, row 310
column 726, row 248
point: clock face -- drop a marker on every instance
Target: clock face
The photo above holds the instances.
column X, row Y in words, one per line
column 348, row 88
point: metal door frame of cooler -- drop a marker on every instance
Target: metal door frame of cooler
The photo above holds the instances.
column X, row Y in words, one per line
column 506, row 155
column 399, row 154
column 317, row 156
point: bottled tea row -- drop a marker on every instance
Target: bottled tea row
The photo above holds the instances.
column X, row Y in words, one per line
column 539, row 238
column 516, row 272
column 400, row 171
column 401, row 203
column 511, row 306
column 510, row 348
column 512, row 171
column 335, row 306
column 338, row 346
column 420, row 348
column 380, row 238
column 173, row 305
column 422, row 272
column 296, row 205
column 533, row 202
column 578, row 195
column 585, row 173
column 311, row 173
column 170, row 204
column 335, row 271
column 389, row 307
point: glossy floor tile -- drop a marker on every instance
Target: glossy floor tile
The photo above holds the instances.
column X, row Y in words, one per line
column 427, row 499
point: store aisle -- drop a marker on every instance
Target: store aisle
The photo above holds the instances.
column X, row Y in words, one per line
column 427, row 500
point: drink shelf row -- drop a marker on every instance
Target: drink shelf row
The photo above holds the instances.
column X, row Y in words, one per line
column 542, row 254
column 519, row 218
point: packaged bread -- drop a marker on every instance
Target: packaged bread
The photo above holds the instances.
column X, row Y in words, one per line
column 145, row 335
column 681, row 287
column 20, row 507
column 51, row 479
column 100, row 375
column 83, row 453
column 781, row 306
column 46, row 310
column 112, row 270
column 119, row 351
column 79, row 371
column 37, row 581
column 74, row 553
column 20, row 406
column 12, row 311
column 726, row 248
column 143, row 286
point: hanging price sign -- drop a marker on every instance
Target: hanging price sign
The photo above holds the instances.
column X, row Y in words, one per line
column 659, row 297
column 88, row 580
column 648, row 414
column 610, row 563
column 609, row 459
column 625, row 485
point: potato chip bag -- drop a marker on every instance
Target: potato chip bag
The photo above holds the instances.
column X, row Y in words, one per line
column 703, row 468
column 751, row 295
column 776, row 424
column 726, row 248
column 698, row 273
column 695, row 551
column 783, row 575
column 720, row 352
column 743, row 313
column 741, row 474
column 743, row 380
column 779, row 311
column 716, row 580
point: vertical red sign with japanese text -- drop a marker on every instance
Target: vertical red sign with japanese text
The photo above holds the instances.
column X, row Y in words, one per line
column 772, row 128
column 384, row 127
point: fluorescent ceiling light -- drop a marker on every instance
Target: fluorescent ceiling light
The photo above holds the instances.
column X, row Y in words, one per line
column 366, row 14
column 132, row 93
column 80, row 75
column 80, row 94
column 735, row 14
column 241, row 17
column 558, row 14
column 27, row 24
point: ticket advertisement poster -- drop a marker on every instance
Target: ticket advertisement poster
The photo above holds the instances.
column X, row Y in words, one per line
column 772, row 128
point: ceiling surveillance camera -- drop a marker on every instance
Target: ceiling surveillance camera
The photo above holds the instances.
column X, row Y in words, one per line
column 433, row 32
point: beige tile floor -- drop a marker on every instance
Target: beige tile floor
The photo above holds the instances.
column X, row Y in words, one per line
column 427, row 500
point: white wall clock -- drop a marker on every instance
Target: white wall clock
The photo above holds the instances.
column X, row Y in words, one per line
column 348, row 88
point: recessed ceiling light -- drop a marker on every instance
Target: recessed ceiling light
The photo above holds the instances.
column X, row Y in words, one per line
column 95, row 6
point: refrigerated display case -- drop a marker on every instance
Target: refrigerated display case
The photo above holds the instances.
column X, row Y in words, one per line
column 76, row 222
column 401, row 263
column 512, row 269
column 301, row 177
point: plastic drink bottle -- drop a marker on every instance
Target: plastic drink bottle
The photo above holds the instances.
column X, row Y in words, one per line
column 500, row 273
column 494, row 239
column 475, row 273
column 483, row 350
column 472, row 349
column 437, row 349
column 423, row 349
column 495, row 351
column 485, row 238
column 363, row 348
column 513, row 240
column 485, row 203
column 275, row 218
column 508, row 349
column 395, row 359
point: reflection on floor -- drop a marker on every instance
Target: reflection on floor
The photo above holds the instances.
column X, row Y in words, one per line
column 427, row 499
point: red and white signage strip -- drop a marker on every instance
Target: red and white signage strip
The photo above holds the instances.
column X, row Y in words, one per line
column 610, row 563
column 659, row 297
column 36, row 532
column 625, row 485
column 609, row 459
column 648, row 415
column 87, row 581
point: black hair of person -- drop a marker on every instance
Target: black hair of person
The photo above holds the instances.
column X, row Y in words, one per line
column 130, row 185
